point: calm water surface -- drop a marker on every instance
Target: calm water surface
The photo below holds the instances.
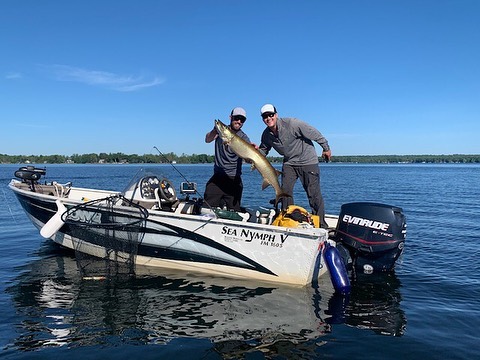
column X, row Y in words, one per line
column 427, row 309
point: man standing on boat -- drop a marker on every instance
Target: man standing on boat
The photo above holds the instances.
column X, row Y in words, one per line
column 225, row 187
column 293, row 139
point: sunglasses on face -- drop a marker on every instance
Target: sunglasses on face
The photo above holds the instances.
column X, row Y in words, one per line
column 239, row 117
column 267, row 115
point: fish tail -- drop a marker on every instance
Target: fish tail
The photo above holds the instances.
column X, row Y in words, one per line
column 280, row 196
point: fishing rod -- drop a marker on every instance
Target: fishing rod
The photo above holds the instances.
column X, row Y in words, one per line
column 184, row 177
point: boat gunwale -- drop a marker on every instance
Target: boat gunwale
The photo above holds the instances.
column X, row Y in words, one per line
column 310, row 233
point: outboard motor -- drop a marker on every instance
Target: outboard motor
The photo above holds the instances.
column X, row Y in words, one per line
column 373, row 235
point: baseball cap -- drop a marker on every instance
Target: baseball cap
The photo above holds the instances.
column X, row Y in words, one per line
column 268, row 108
column 239, row 111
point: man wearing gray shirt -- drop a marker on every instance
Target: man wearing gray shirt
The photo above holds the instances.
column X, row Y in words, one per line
column 225, row 187
column 293, row 139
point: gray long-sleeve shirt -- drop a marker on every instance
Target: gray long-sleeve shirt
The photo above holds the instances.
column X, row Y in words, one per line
column 294, row 141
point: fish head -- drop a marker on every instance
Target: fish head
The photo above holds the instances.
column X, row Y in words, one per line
column 225, row 133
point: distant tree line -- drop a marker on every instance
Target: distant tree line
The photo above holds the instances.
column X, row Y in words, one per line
column 104, row 158
column 411, row 159
column 120, row 158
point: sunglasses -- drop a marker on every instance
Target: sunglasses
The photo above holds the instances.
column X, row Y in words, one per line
column 267, row 115
column 240, row 117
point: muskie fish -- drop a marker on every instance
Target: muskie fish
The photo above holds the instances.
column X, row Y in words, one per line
column 248, row 152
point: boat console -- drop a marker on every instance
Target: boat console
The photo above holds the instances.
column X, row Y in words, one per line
column 152, row 192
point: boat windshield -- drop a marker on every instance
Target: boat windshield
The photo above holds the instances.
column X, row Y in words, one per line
column 133, row 186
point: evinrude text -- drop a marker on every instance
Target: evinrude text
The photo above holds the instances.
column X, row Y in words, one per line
column 377, row 225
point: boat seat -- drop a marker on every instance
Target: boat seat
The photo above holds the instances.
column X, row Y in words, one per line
column 261, row 215
column 185, row 207
column 164, row 204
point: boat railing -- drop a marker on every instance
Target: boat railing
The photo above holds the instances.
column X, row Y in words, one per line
column 62, row 190
column 52, row 189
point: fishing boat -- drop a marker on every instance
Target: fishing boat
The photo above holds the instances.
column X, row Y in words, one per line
column 152, row 224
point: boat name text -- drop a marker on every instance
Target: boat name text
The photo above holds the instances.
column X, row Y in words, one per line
column 85, row 217
column 377, row 225
column 249, row 235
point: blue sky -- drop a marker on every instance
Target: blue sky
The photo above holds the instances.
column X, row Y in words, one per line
column 374, row 76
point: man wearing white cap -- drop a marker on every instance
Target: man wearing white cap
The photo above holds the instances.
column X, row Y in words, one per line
column 293, row 139
column 225, row 187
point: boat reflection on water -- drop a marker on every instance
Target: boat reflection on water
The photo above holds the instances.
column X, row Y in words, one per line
column 56, row 307
column 375, row 304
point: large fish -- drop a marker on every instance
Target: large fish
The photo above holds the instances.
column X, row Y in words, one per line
column 248, row 152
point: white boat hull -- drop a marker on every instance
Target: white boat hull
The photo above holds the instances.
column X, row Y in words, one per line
column 195, row 243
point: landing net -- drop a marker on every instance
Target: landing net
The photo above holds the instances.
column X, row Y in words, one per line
column 106, row 237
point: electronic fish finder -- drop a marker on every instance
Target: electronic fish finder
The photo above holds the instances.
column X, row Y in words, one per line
column 188, row 188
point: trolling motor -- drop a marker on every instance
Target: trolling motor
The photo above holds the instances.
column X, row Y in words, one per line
column 30, row 175
column 371, row 236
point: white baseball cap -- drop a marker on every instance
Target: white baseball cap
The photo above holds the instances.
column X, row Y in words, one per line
column 268, row 108
column 239, row 111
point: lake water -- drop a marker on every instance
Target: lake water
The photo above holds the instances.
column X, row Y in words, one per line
column 427, row 309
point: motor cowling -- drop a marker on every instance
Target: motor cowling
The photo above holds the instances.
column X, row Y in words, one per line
column 374, row 235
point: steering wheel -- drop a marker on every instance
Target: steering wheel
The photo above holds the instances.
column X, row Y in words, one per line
column 148, row 186
column 167, row 190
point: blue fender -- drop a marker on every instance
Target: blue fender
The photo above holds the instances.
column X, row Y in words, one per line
column 337, row 269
